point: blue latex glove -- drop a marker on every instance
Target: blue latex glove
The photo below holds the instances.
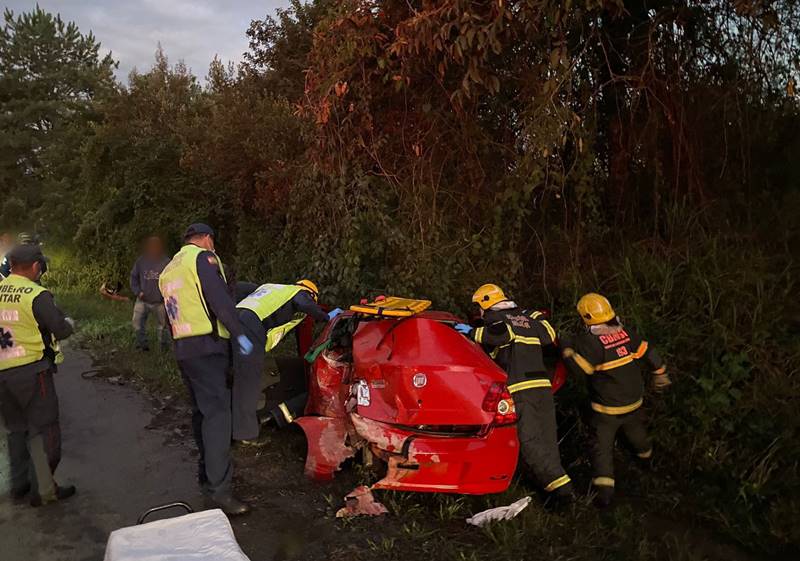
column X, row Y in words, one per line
column 335, row 312
column 463, row 328
column 245, row 346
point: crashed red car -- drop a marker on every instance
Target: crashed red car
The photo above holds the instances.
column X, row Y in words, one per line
column 401, row 384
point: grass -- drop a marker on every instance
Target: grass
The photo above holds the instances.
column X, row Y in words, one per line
column 105, row 331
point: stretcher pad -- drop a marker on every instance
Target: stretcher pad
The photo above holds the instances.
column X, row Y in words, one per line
column 202, row 536
column 392, row 307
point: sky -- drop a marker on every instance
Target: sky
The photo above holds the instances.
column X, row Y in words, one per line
column 189, row 30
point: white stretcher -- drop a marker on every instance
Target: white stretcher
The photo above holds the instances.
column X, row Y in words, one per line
column 200, row 536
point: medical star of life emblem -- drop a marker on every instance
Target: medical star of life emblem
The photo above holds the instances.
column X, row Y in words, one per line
column 171, row 305
column 6, row 339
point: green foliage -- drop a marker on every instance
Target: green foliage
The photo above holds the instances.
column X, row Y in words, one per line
column 50, row 74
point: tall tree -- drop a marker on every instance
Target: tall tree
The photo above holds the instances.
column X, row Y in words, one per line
column 50, row 73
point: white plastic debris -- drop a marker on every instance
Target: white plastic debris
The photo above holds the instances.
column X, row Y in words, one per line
column 499, row 513
column 202, row 536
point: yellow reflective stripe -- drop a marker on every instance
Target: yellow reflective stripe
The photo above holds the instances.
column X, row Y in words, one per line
column 585, row 365
column 549, row 328
column 527, row 340
column 660, row 371
column 641, row 350
column 621, row 410
column 556, row 483
column 287, row 415
column 510, row 332
column 479, row 335
column 519, row 386
column 615, row 363
column 536, row 314
column 646, row 455
column 603, row 481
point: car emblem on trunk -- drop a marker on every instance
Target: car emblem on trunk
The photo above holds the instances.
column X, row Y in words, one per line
column 419, row 380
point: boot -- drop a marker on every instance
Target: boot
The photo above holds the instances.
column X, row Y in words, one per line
column 18, row 495
column 61, row 494
column 229, row 504
column 604, row 497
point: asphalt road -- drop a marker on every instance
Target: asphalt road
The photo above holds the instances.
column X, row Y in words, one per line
column 119, row 466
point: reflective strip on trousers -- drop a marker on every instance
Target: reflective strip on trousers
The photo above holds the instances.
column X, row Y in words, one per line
column 286, row 414
column 621, row 410
column 556, row 483
column 603, row 481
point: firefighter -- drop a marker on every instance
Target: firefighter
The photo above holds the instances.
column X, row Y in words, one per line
column 611, row 355
column 30, row 325
column 514, row 339
column 267, row 315
column 203, row 319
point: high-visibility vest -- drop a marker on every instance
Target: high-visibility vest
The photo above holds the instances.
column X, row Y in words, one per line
column 21, row 340
column 265, row 301
column 186, row 306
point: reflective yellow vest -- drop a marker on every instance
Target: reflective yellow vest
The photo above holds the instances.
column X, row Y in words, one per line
column 265, row 301
column 186, row 306
column 21, row 340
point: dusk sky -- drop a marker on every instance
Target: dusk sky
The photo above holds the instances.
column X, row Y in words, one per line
column 191, row 30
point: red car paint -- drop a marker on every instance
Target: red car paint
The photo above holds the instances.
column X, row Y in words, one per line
column 424, row 417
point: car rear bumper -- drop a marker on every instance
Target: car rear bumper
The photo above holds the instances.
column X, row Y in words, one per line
column 473, row 465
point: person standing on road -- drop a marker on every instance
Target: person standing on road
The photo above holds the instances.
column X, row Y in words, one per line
column 610, row 354
column 144, row 284
column 267, row 315
column 203, row 319
column 514, row 339
column 30, row 325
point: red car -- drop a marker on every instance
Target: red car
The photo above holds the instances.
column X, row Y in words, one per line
column 402, row 384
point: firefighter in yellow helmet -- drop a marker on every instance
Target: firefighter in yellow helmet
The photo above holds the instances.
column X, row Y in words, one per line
column 514, row 338
column 611, row 355
column 267, row 315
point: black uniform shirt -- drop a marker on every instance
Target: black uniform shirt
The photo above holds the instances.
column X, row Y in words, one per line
column 514, row 339
column 610, row 356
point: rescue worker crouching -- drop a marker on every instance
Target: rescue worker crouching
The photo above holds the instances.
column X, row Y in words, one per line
column 610, row 354
column 203, row 319
column 267, row 315
column 30, row 326
column 514, row 339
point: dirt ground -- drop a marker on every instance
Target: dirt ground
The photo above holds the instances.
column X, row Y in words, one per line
column 127, row 451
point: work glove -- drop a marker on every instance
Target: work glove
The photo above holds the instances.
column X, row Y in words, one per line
column 463, row 328
column 661, row 382
column 245, row 346
column 71, row 323
column 333, row 313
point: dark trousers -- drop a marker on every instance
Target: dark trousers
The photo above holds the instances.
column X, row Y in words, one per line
column 247, row 379
column 603, row 431
column 29, row 407
column 206, row 379
column 538, row 439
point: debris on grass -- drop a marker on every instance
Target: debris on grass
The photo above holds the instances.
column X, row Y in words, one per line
column 499, row 513
column 361, row 502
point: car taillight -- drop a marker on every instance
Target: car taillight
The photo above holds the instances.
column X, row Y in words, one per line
column 498, row 400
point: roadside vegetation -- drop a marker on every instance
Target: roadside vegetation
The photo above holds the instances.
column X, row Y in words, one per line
column 647, row 150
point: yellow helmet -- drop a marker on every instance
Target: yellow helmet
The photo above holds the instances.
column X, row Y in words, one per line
column 488, row 295
column 310, row 286
column 595, row 309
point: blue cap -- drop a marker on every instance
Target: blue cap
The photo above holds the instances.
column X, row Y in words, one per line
column 198, row 229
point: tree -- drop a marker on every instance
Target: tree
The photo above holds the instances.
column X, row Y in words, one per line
column 50, row 75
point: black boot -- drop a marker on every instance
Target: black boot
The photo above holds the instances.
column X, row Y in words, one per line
column 229, row 504
column 61, row 494
column 18, row 495
column 604, row 496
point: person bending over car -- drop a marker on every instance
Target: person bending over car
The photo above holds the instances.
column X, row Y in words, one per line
column 267, row 315
column 610, row 355
column 514, row 339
